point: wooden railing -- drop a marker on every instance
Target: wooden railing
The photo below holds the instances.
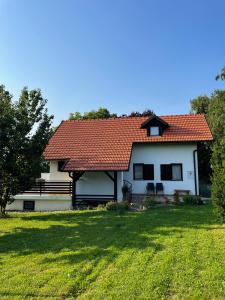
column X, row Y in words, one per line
column 50, row 187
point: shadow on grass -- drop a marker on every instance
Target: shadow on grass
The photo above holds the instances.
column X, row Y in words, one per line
column 82, row 237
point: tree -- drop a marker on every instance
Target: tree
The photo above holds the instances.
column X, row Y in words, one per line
column 221, row 75
column 25, row 128
column 101, row 113
column 145, row 113
column 200, row 105
column 216, row 118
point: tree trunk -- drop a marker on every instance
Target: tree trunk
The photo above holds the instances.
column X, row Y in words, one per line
column 3, row 210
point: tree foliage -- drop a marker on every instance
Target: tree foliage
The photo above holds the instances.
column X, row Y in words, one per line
column 221, row 75
column 25, row 128
column 216, row 119
column 104, row 113
column 200, row 105
column 212, row 155
column 101, row 113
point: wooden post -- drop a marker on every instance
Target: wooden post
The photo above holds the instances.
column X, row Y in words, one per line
column 75, row 176
column 115, row 186
column 74, row 192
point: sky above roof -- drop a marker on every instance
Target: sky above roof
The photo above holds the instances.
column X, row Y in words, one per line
column 121, row 54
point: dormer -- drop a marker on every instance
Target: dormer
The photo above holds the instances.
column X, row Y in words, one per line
column 154, row 125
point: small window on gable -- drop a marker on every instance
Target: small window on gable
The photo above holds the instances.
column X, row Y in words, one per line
column 154, row 130
column 61, row 164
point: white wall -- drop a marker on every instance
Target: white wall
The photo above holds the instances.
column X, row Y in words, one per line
column 42, row 203
column 163, row 154
column 93, row 183
column 98, row 183
column 55, row 174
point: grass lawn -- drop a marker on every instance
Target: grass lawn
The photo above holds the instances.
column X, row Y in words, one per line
column 166, row 253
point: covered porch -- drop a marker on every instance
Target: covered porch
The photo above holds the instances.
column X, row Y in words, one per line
column 94, row 187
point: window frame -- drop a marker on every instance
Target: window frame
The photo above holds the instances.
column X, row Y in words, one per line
column 25, row 202
column 142, row 164
column 171, row 165
column 150, row 127
column 59, row 169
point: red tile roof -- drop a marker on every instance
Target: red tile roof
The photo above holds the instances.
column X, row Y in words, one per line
column 106, row 144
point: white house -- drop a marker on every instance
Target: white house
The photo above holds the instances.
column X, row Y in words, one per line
column 99, row 156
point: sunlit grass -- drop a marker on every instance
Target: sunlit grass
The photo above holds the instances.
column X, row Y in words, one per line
column 167, row 253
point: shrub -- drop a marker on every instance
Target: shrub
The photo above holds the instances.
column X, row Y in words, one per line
column 126, row 191
column 101, row 207
column 218, row 179
column 149, row 202
column 192, row 200
column 176, row 198
column 117, row 206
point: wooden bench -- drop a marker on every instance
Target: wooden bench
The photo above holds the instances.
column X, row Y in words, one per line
column 182, row 192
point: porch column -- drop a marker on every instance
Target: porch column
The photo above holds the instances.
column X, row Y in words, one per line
column 75, row 176
column 115, row 186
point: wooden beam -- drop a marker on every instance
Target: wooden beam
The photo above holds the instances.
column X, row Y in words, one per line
column 76, row 176
column 109, row 175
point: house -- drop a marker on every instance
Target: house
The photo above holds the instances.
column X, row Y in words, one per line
column 100, row 155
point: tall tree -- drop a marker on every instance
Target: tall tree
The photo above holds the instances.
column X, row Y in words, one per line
column 216, row 119
column 200, row 105
column 25, row 128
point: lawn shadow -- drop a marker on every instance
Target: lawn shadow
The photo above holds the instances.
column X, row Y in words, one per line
column 87, row 237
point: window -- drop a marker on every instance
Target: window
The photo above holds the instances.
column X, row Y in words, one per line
column 61, row 164
column 28, row 205
column 154, row 131
column 143, row 172
column 171, row 172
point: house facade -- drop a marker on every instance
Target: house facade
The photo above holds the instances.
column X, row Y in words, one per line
column 100, row 156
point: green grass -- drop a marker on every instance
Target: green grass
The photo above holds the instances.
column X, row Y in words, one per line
column 166, row 253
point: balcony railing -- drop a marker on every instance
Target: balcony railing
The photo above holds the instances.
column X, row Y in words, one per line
column 50, row 187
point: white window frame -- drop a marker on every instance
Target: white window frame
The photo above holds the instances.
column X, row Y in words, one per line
column 154, row 131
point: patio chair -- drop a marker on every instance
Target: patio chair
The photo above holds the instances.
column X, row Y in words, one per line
column 150, row 187
column 159, row 187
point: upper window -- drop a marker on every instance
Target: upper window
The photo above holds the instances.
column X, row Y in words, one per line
column 143, row 172
column 154, row 130
column 171, row 172
column 61, row 164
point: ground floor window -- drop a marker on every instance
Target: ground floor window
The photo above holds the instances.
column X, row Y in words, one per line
column 143, row 172
column 172, row 172
column 28, row 205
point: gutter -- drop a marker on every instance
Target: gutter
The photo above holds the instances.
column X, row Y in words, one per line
column 195, row 175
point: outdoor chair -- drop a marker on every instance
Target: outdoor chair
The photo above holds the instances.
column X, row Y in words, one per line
column 159, row 187
column 150, row 187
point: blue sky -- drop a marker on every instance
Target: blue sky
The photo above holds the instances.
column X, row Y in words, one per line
column 125, row 55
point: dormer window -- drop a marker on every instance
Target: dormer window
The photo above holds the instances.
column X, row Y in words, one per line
column 154, row 131
column 154, row 126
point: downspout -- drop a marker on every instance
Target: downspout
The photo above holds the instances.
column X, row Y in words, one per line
column 195, row 175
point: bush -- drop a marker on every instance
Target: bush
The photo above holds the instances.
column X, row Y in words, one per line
column 117, row 206
column 149, row 202
column 176, row 198
column 192, row 200
column 101, row 207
